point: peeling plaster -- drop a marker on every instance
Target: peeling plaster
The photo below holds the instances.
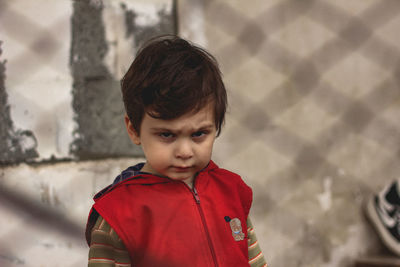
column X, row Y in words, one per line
column 49, row 196
column 141, row 25
column 192, row 15
column 38, row 83
column 15, row 145
column 129, row 23
column 148, row 13
column 121, row 49
column 325, row 198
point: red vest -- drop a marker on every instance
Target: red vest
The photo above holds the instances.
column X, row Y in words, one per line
column 163, row 222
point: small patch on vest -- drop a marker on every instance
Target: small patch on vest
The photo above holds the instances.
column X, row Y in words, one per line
column 236, row 227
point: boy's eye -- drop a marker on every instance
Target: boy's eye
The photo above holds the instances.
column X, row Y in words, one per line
column 198, row 134
column 166, row 135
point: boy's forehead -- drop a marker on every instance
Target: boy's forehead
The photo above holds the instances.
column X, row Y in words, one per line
column 194, row 119
column 205, row 111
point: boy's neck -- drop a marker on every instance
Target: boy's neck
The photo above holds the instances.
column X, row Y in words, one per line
column 147, row 168
column 189, row 182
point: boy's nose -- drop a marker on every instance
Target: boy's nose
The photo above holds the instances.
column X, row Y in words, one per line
column 183, row 150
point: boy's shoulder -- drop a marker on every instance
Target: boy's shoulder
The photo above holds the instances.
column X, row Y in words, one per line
column 130, row 173
column 226, row 175
column 223, row 171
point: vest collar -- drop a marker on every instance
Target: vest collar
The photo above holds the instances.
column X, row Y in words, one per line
column 133, row 175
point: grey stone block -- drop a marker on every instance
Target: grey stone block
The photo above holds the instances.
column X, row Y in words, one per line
column 97, row 99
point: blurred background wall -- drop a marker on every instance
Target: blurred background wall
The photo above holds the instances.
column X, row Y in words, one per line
column 312, row 124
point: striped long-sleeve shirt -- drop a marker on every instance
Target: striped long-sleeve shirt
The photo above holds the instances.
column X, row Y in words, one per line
column 108, row 250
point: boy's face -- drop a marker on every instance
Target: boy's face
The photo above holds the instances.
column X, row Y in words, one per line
column 177, row 148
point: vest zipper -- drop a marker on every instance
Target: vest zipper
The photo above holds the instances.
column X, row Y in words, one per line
column 203, row 220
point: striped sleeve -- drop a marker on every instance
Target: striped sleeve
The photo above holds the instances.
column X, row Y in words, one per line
column 106, row 248
column 256, row 257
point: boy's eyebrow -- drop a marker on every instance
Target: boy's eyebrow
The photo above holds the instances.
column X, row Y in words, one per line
column 160, row 129
column 165, row 129
column 204, row 127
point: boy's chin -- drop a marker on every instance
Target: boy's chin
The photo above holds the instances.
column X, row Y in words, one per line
column 184, row 178
column 181, row 178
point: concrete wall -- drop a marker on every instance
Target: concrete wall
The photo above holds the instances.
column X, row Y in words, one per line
column 313, row 118
column 62, row 136
column 52, row 68
column 312, row 123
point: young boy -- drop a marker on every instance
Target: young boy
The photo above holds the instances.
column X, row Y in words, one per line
column 178, row 208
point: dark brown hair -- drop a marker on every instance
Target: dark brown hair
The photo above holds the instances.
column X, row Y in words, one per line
column 171, row 77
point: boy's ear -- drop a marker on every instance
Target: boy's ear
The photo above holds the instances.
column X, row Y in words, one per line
column 133, row 135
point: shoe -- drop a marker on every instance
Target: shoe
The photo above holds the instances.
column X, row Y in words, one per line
column 383, row 210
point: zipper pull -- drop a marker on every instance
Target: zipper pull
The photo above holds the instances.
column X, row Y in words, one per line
column 196, row 196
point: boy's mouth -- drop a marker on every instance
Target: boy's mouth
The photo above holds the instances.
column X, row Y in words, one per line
column 181, row 168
